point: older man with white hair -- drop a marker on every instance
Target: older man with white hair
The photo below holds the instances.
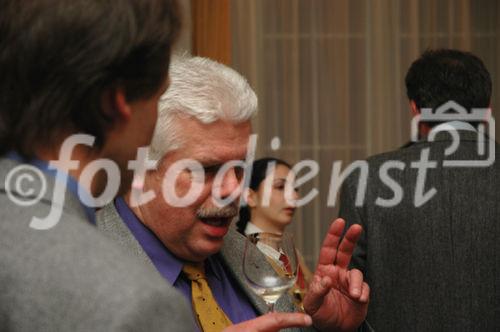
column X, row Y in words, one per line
column 205, row 117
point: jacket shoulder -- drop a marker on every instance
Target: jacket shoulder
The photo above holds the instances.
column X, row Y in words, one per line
column 71, row 277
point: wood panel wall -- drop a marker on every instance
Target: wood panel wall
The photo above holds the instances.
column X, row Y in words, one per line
column 211, row 29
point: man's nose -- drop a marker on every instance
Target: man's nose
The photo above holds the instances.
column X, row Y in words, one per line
column 230, row 183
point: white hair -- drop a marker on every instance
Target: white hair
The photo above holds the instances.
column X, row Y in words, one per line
column 205, row 90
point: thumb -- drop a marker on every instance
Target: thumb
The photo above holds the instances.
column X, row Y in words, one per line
column 318, row 289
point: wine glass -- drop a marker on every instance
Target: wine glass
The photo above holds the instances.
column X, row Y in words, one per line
column 270, row 265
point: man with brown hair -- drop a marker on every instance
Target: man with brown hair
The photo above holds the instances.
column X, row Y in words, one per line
column 96, row 69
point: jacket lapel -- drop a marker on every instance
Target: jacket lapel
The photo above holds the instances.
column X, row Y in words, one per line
column 110, row 223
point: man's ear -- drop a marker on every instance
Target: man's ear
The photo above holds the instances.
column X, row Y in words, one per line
column 115, row 105
column 414, row 109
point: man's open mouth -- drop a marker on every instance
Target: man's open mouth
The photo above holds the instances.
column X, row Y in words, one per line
column 218, row 221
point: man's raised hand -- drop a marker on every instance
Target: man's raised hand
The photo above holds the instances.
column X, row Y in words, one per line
column 337, row 299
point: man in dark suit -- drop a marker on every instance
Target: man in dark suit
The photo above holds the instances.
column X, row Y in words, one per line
column 96, row 69
column 430, row 216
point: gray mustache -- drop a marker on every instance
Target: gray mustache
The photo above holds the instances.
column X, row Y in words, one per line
column 228, row 211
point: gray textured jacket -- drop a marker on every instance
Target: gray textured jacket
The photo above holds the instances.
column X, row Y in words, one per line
column 72, row 278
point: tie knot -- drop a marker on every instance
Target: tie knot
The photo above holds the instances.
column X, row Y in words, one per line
column 194, row 272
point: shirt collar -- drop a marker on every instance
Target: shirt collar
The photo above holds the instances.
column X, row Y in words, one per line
column 164, row 260
column 269, row 251
column 453, row 125
column 251, row 228
column 71, row 184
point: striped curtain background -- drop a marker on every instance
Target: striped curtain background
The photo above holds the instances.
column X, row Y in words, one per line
column 330, row 77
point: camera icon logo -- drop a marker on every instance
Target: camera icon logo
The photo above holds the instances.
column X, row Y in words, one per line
column 485, row 131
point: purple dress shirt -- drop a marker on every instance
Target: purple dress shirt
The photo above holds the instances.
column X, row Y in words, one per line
column 225, row 289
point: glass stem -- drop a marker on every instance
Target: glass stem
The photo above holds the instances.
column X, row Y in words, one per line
column 270, row 306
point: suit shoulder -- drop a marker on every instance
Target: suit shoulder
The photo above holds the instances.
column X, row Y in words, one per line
column 71, row 277
column 406, row 153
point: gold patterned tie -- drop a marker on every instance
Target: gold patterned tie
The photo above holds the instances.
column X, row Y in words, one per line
column 210, row 315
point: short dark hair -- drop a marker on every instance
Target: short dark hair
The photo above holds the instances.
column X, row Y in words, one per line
column 259, row 173
column 441, row 75
column 58, row 57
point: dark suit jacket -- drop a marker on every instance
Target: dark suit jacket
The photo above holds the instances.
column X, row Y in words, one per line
column 72, row 278
column 433, row 267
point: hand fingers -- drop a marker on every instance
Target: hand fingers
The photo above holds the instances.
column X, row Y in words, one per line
column 331, row 242
column 365, row 293
column 346, row 247
column 318, row 289
column 272, row 322
column 358, row 289
column 355, row 283
column 278, row 320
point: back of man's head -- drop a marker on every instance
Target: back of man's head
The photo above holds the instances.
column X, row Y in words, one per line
column 58, row 57
column 439, row 76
